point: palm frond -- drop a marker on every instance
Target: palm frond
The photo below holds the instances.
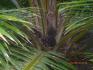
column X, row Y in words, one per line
column 50, row 60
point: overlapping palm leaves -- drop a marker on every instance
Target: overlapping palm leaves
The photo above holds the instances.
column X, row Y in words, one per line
column 79, row 22
column 20, row 47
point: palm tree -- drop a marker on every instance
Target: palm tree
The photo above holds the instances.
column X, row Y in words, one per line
column 45, row 36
